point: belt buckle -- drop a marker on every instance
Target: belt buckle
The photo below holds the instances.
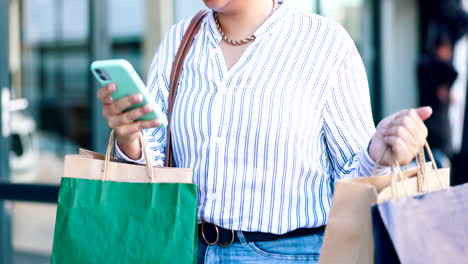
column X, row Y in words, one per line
column 217, row 237
column 230, row 242
column 204, row 236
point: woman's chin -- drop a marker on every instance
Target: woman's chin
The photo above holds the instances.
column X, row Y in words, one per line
column 216, row 4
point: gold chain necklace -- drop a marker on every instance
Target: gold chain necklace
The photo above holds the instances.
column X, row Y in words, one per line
column 237, row 42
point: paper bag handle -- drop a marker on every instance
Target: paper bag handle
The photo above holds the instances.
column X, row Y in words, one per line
column 144, row 149
column 421, row 165
column 420, row 155
column 422, row 175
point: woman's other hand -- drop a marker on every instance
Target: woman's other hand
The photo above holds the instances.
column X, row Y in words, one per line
column 126, row 129
column 404, row 133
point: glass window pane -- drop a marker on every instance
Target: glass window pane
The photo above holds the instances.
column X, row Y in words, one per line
column 55, row 75
column 126, row 18
column 354, row 15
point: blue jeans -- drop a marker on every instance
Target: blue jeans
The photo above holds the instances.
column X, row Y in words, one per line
column 304, row 249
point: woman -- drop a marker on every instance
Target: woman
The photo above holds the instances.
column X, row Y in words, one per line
column 272, row 108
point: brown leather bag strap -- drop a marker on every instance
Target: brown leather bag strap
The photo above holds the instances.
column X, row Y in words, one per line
column 175, row 75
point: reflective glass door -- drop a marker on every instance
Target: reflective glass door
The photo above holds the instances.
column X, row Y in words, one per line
column 46, row 47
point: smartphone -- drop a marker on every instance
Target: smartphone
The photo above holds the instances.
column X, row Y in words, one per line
column 123, row 75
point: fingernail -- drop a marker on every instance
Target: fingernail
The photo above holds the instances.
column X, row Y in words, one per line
column 156, row 123
column 137, row 98
column 147, row 108
column 111, row 87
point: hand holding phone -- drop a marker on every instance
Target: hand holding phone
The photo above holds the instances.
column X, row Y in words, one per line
column 127, row 106
column 121, row 73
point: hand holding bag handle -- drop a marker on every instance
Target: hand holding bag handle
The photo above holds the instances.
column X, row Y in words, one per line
column 422, row 175
column 144, row 149
column 175, row 76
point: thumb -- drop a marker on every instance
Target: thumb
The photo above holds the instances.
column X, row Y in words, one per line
column 424, row 112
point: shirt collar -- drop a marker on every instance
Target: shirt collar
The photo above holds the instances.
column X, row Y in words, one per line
column 268, row 26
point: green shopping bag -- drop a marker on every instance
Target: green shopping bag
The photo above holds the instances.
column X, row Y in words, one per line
column 113, row 212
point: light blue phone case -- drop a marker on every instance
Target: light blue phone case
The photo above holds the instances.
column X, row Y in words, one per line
column 121, row 73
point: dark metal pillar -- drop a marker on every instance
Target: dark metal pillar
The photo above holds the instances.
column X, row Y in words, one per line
column 4, row 83
column 377, row 100
column 100, row 48
column 5, row 219
column 318, row 6
column 59, row 74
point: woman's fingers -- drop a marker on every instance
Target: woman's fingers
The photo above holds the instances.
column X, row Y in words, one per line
column 410, row 127
column 135, row 127
column 419, row 118
column 404, row 132
column 128, row 117
column 118, row 107
column 124, row 124
column 406, row 135
column 104, row 94
column 424, row 112
column 416, row 116
column 400, row 150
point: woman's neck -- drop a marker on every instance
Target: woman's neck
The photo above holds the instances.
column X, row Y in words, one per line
column 244, row 18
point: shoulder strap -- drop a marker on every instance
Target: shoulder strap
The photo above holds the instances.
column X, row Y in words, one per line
column 175, row 75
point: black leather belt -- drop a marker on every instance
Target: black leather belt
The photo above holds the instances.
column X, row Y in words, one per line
column 213, row 234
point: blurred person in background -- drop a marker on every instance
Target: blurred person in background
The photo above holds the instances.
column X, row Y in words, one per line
column 436, row 75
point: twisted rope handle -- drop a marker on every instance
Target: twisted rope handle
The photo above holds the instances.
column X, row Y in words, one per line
column 144, row 148
column 422, row 178
column 422, row 174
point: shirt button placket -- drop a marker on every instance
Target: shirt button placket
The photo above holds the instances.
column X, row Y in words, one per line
column 214, row 144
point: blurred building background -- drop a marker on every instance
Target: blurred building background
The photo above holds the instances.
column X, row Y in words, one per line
column 46, row 47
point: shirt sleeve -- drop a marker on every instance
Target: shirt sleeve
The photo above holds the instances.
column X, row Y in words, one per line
column 348, row 123
column 158, row 87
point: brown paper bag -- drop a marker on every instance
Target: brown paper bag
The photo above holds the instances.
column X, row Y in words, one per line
column 348, row 235
column 91, row 165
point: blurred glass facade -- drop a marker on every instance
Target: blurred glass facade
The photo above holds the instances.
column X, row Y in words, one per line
column 52, row 43
column 55, row 58
column 50, row 49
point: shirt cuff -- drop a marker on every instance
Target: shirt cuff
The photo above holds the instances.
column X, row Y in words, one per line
column 121, row 156
column 368, row 165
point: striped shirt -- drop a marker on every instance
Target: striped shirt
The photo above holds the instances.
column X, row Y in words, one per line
column 268, row 138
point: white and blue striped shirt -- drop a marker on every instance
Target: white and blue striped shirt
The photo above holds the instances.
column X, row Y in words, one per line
column 268, row 138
